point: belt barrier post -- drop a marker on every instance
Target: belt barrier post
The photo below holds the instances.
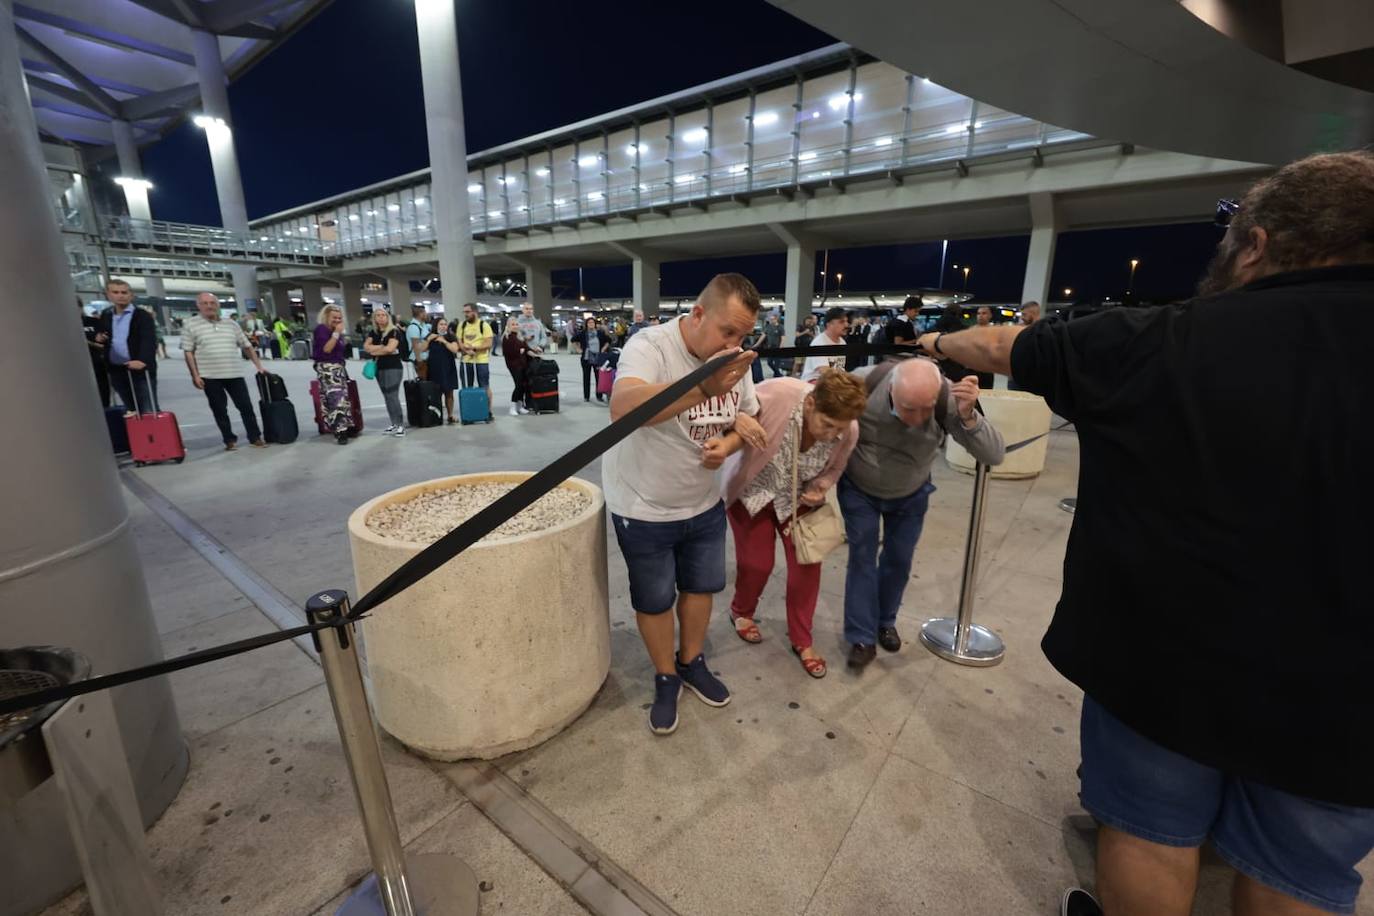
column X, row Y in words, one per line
column 406, row 885
column 961, row 640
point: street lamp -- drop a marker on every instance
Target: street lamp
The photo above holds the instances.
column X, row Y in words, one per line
column 839, row 285
column 1135, row 262
column 966, row 270
column 1067, row 292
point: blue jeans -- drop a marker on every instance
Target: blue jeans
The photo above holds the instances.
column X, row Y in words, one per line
column 873, row 584
column 1301, row 847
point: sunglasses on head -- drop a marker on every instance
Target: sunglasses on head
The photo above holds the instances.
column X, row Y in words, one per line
column 1226, row 211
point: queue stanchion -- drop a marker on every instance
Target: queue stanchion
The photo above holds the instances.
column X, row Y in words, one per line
column 960, row 640
column 405, row 885
column 1069, row 504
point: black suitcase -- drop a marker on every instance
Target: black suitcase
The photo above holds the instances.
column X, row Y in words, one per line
column 278, row 413
column 542, row 396
column 271, row 387
column 541, row 368
column 119, row 431
column 424, row 404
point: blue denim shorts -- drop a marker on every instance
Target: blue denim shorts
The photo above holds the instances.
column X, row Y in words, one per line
column 665, row 558
column 1304, row 848
column 476, row 375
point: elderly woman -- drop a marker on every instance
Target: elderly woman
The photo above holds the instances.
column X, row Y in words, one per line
column 813, row 427
column 329, row 352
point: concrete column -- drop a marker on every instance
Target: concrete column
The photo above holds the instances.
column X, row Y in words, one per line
column 351, row 297
column 801, row 273
column 1040, row 260
column 438, row 31
column 645, row 285
column 76, row 579
column 135, row 191
column 398, row 294
column 224, row 160
column 539, row 283
column 281, row 300
column 155, row 287
column 312, row 297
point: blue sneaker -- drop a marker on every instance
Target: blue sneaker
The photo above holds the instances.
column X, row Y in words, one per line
column 697, row 678
column 663, row 714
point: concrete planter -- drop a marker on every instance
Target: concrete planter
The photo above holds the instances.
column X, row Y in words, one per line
column 499, row 649
column 1017, row 415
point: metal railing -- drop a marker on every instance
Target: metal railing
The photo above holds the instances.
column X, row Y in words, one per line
column 211, row 243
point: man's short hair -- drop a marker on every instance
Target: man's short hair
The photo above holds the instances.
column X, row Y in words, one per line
column 416, row 307
column 725, row 286
column 835, row 312
column 123, row 283
column 912, row 302
column 1315, row 209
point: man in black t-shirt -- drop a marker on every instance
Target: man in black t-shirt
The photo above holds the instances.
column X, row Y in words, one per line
column 1215, row 608
column 902, row 329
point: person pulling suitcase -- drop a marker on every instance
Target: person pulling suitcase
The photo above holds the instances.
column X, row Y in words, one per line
column 475, row 338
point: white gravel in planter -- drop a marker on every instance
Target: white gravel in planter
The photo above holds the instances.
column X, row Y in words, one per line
column 431, row 515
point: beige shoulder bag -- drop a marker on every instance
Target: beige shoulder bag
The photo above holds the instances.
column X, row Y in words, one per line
column 817, row 532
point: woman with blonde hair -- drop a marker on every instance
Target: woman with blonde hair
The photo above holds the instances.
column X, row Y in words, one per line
column 330, row 351
column 384, row 345
column 811, row 431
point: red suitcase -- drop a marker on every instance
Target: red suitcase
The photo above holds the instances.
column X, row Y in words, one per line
column 154, row 437
column 352, row 399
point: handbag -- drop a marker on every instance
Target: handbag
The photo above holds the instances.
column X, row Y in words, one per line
column 370, row 369
column 817, row 532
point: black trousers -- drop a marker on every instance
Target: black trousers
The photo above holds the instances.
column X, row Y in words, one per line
column 217, row 392
column 587, row 371
column 133, row 386
column 102, row 381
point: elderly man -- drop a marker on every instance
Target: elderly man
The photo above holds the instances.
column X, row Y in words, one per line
column 214, row 348
column 911, row 407
column 1235, row 459
column 636, row 326
column 832, row 335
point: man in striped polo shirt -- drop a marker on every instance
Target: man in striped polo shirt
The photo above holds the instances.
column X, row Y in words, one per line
column 214, row 350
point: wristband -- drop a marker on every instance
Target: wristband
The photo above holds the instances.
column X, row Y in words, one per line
column 936, row 344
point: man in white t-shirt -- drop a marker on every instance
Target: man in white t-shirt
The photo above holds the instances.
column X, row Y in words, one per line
column 832, row 335
column 662, row 488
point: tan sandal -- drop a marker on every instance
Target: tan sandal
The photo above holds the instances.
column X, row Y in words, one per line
column 749, row 632
column 814, row 666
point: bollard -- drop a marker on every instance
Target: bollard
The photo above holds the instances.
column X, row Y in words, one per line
column 1069, row 504
column 961, row 640
column 406, row 885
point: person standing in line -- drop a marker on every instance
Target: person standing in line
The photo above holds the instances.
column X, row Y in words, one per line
column 417, row 340
column 90, row 324
column 594, row 342
column 475, row 337
column 256, row 330
column 832, row 335
column 1030, row 313
column 515, row 349
column 886, row 485
column 157, row 332
column 1227, row 439
column 384, row 345
column 902, row 329
column 857, row 335
column 330, row 352
column 983, row 319
column 662, row 489
column 129, row 336
column 772, row 340
column 951, row 320
column 441, row 346
column 804, row 337
column 637, row 325
column 532, row 330
column 214, row 348
column 811, row 432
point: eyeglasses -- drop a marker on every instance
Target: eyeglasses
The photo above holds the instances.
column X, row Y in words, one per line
column 1226, row 211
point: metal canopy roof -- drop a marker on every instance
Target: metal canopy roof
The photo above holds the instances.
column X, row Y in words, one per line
column 89, row 62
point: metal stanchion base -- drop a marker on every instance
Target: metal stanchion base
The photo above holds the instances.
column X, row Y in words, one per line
column 1069, row 505
column 984, row 649
column 440, row 885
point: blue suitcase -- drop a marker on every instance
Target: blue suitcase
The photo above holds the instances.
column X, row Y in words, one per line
column 473, row 406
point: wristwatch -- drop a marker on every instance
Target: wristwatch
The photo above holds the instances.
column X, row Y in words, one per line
column 936, row 343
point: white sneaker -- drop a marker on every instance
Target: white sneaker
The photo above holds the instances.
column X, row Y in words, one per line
column 389, row 431
column 523, row 409
column 513, row 411
column 400, row 432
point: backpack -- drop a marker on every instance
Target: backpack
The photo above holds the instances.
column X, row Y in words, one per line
column 403, row 348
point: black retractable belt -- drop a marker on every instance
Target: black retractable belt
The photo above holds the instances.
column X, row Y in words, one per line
column 466, row 534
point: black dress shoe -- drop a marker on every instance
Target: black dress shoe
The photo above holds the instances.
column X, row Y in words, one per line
column 860, row 655
column 1078, row 902
column 888, row 639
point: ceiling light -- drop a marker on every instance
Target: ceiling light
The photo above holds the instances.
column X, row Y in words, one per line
column 595, row 195
column 683, row 179
column 640, row 148
column 806, row 157
column 474, row 188
column 419, row 201
column 955, row 128
column 815, row 114
column 559, row 201
column 883, row 141
column 422, row 227
column 493, row 214
column 143, row 183
column 765, row 118
column 262, row 238
column 352, row 218
column 542, row 172
column 698, row 135
column 303, row 229
column 205, row 122
column 736, row 169
column 838, row 101
column 371, row 212
column 587, row 161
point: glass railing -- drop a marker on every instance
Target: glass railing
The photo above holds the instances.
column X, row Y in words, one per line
column 212, row 241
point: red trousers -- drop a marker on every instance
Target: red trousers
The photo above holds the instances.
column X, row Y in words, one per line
column 754, row 551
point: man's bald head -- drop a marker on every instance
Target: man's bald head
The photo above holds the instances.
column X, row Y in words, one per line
column 916, row 384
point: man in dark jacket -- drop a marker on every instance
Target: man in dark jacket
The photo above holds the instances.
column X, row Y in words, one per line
column 91, row 325
column 130, row 340
column 1226, row 681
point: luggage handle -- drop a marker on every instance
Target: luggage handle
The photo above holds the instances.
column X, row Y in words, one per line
column 133, row 392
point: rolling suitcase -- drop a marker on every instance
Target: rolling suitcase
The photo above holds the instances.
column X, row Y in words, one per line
column 473, row 406
column 605, row 380
column 542, row 396
column 154, row 437
column 278, row 413
column 119, row 433
column 424, row 404
column 353, row 400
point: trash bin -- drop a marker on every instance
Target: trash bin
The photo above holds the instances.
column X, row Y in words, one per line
column 24, row 763
column 501, row 647
column 1018, row 415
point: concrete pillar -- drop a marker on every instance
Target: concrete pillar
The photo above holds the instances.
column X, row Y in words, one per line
column 281, row 300
column 645, row 285
column 801, row 283
column 312, row 297
column 438, row 32
column 1040, row 260
column 224, row 160
column 398, row 294
column 155, row 287
column 130, row 167
column 351, row 298
column 76, row 579
column 539, row 283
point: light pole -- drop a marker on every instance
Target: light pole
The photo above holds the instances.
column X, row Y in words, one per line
column 1067, row 292
column 1130, row 285
column 966, row 270
column 839, row 286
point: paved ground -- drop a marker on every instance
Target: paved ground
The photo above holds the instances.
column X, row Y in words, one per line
column 918, row 787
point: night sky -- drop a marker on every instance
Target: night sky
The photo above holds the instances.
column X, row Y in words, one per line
column 339, row 106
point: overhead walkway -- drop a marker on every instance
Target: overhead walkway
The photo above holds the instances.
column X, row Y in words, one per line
column 154, row 238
